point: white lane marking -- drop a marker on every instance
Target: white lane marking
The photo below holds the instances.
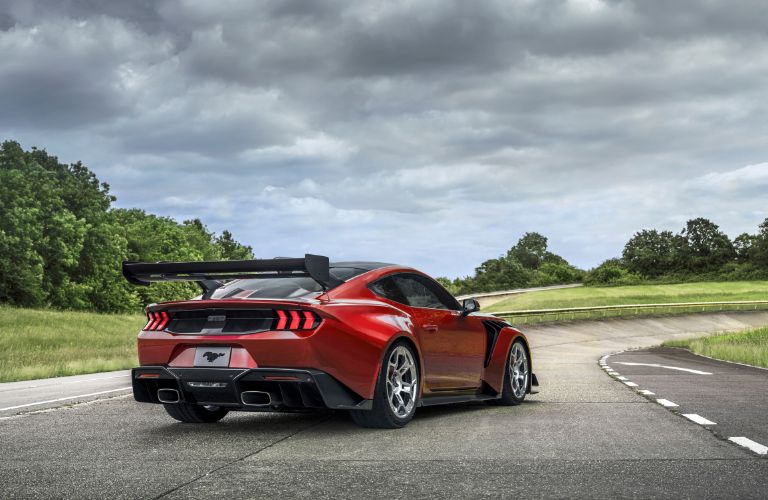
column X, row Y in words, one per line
column 630, row 384
column 655, row 365
column 698, row 419
column 666, row 402
column 646, row 392
column 64, row 399
column 622, row 378
column 748, row 443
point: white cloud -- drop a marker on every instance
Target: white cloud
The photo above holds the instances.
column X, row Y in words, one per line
column 430, row 133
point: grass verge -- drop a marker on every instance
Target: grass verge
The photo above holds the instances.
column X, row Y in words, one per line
column 749, row 347
column 635, row 294
column 41, row 343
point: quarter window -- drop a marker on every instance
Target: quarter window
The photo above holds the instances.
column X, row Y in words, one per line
column 387, row 288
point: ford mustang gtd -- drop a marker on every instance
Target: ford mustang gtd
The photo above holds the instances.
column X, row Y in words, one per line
column 286, row 334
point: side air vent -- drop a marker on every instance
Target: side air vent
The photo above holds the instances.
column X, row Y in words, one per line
column 492, row 330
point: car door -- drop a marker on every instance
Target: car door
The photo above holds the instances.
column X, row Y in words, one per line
column 453, row 347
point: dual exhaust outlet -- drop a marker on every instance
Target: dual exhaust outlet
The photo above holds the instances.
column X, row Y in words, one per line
column 248, row 398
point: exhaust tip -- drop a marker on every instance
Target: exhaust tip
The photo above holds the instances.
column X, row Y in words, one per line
column 168, row 396
column 255, row 398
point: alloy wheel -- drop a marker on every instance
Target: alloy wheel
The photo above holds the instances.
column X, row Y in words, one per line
column 518, row 370
column 402, row 381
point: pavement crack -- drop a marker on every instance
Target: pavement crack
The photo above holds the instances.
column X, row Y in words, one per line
column 240, row 459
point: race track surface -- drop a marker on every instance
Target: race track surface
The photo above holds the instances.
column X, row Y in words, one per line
column 586, row 434
column 729, row 399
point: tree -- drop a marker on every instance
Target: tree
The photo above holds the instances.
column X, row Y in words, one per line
column 745, row 246
column 705, row 248
column 61, row 243
column 652, row 253
column 758, row 250
column 231, row 249
column 610, row 272
column 530, row 250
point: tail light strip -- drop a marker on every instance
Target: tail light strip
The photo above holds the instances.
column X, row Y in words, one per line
column 286, row 320
column 296, row 320
column 156, row 321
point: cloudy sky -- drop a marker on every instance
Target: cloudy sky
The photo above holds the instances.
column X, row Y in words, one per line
column 430, row 133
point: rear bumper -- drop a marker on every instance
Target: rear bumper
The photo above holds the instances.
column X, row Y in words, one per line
column 289, row 389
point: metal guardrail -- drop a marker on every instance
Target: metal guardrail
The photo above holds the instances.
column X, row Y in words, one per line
column 597, row 312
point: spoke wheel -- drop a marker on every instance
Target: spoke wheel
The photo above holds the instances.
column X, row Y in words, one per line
column 517, row 376
column 518, row 370
column 397, row 390
column 402, row 382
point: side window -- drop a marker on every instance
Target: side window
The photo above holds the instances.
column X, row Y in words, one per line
column 417, row 293
column 442, row 294
column 387, row 288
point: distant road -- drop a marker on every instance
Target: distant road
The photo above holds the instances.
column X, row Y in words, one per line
column 489, row 298
column 30, row 395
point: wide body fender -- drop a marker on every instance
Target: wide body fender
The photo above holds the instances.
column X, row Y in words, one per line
column 494, row 372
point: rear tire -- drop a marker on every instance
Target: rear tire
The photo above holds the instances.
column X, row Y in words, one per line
column 396, row 392
column 517, row 376
column 195, row 414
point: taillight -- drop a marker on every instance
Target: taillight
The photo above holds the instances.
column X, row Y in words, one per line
column 156, row 321
column 293, row 319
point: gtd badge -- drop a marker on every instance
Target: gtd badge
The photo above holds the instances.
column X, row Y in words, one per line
column 217, row 319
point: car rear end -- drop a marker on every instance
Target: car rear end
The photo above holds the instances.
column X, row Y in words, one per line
column 237, row 347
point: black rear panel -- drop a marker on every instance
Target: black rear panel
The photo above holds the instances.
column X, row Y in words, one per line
column 221, row 320
column 231, row 321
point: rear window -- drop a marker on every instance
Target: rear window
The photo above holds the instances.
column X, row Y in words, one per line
column 281, row 288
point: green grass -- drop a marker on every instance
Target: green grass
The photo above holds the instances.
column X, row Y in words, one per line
column 638, row 294
column 41, row 343
column 749, row 347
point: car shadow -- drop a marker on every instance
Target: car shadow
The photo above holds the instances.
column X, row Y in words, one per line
column 246, row 423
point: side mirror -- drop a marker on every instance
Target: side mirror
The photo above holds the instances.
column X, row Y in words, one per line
column 469, row 306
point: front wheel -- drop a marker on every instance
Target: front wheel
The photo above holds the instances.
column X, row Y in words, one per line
column 516, row 376
column 397, row 387
column 195, row 414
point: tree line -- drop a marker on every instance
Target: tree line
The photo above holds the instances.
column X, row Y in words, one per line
column 699, row 252
column 528, row 263
column 62, row 242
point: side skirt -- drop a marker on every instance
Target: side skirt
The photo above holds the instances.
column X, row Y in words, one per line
column 455, row 398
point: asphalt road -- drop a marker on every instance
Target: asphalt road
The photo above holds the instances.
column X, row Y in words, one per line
column 31, row 395
column 585, row 435
column 730, row 400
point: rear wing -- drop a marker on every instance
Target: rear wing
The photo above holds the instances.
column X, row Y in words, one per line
column 209, row 275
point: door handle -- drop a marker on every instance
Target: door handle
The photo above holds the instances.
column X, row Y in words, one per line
column 430, row 328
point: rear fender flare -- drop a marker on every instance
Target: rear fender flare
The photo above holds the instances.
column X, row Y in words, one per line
column 409, row 338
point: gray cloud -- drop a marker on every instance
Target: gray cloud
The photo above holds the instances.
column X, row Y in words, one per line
column 431, row 133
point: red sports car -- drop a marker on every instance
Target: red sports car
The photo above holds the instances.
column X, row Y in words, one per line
column 299, row 334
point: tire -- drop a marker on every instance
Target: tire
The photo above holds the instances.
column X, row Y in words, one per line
column 517, row 376
column 397, row 389
column 195, row 414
